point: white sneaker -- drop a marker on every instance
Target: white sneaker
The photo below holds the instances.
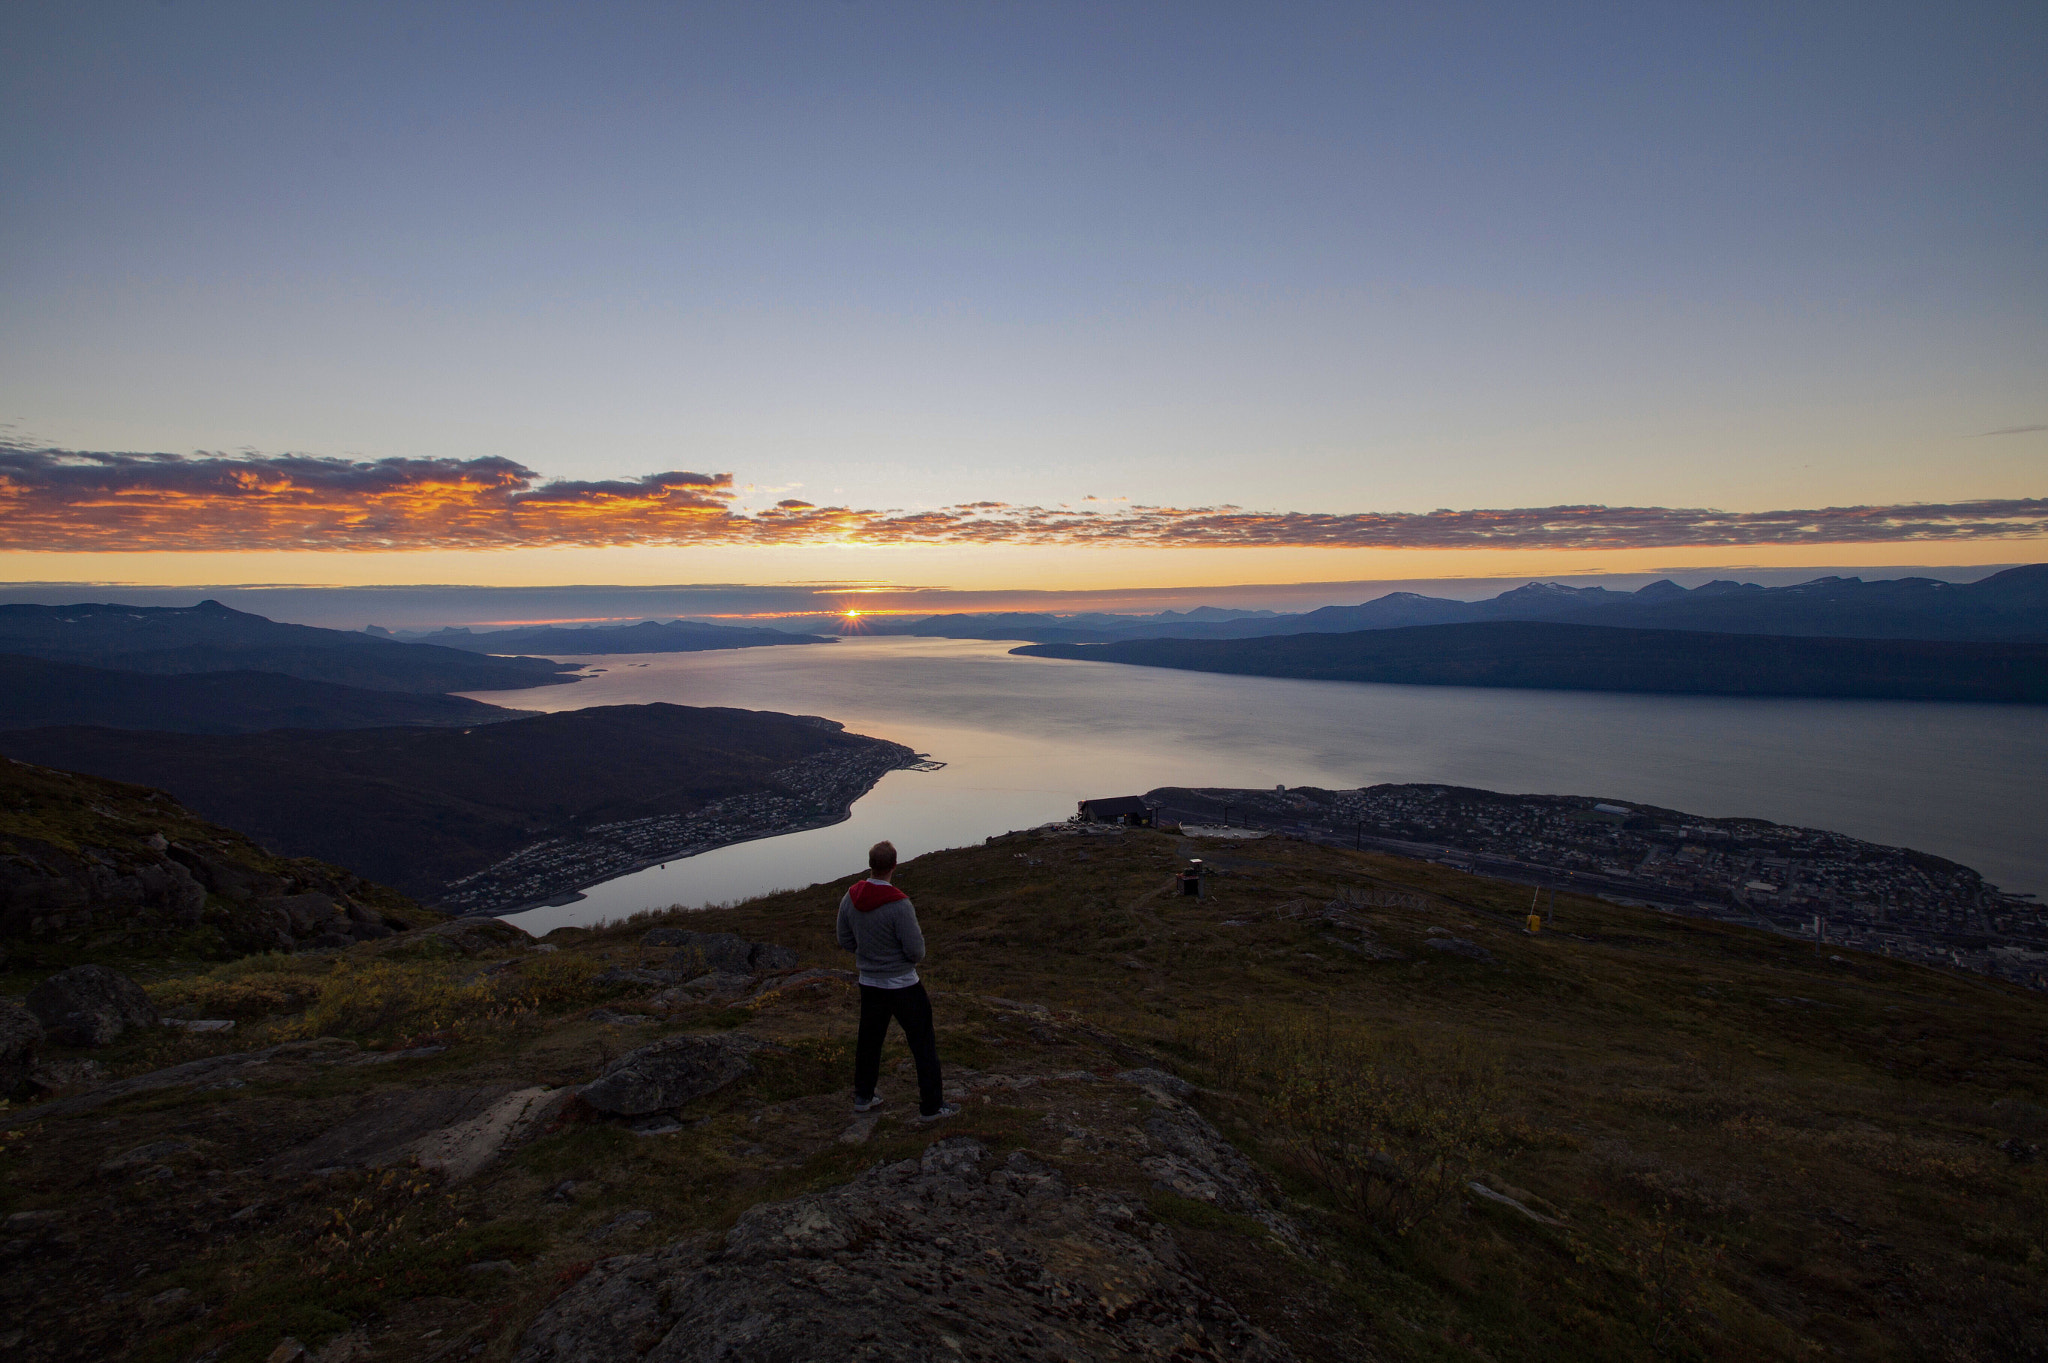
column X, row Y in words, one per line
column 867, row 1104
column 949, row 1110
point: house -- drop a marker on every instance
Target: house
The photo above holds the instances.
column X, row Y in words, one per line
column 1124, row 809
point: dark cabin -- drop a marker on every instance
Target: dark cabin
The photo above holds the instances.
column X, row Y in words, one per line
column 1128, row 810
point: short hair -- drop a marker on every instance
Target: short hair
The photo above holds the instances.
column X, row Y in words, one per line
column 882, row 856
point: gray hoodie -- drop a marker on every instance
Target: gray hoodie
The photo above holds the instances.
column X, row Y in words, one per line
column 884, row 940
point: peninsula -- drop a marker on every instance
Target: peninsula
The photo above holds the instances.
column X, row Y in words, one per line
column 504, row 814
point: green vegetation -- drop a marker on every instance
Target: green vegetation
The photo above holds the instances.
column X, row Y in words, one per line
column 1699, row 1142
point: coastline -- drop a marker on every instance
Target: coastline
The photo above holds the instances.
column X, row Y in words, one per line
column 694, row 850
column 816, row 792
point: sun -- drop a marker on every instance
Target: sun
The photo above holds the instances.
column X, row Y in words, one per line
column 853, row 615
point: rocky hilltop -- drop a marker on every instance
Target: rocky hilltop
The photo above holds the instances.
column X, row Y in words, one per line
column 95, row 870
column 1337, row 1105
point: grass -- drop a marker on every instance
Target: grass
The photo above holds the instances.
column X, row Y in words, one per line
column 1752, row 1152
column 1727, row 1122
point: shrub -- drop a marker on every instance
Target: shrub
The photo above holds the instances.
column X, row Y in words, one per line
column 250, row 996
column 383, row 999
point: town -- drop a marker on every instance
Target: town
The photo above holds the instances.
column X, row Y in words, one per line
column 811, row 793
column 1803, row 882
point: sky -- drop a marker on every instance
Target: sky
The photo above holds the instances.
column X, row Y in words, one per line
column 1018, row 296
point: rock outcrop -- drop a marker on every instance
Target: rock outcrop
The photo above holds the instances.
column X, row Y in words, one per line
column 668, row 1073
column 455, row 1132
column 20, row 1031
column 89, row 866
column 90, row 1005
column 957, row 1255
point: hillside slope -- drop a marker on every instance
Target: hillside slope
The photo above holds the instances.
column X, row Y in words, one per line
column 1601, row 658
column 99, row 871
column 417, row 808
column 35, row 694
column 209, row 637
column 1339, row 1107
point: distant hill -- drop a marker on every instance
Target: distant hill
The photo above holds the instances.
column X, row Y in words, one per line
column 1603, row 658
column 209, row 637
column 35, row 694
column 648, row 636
column 2012, row 605
column 97, row 870
column 416, row 808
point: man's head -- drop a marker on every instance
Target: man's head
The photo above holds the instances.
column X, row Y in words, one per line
column 882, row 860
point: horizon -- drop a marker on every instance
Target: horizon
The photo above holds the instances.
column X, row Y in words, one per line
column 412, row 607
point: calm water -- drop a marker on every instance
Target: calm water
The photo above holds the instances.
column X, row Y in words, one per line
column 1024, row 738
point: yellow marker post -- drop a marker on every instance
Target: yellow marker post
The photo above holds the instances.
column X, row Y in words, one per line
column 1535, row 922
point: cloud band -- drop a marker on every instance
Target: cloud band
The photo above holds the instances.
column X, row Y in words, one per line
column 78, row 501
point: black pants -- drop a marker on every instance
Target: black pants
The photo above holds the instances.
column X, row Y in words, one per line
column 912, row 1009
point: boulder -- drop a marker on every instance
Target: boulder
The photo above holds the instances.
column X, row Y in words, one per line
column 671, row 1072
column 475, row 936
column 19, row 1033
column 716, row 985
column 90, row 1005
column 304, row 915
column 698, row 952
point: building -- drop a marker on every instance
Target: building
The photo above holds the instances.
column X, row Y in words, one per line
column 1128, row 810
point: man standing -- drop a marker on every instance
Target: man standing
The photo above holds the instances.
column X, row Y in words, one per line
column 879, row 926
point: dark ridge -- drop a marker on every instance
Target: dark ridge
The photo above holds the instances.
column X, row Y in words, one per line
column 2011, row 605
column 209, row 637
column 417, row 808
column 36, row 694
column 1564, row 657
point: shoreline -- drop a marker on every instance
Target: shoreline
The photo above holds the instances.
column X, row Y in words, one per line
column 695, row 850
column 815, row 792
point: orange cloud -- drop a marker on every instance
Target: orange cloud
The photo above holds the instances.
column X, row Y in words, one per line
column 66, row 500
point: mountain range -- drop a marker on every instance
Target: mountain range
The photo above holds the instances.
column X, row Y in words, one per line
column 1570, row 657
column 649, row 636
column 2011, row 605
column 210, row 637
column 35, row 694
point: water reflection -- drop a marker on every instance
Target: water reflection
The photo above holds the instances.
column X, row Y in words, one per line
column 1024, row 738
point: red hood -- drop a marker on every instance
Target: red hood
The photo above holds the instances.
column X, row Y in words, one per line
column 868, row 895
